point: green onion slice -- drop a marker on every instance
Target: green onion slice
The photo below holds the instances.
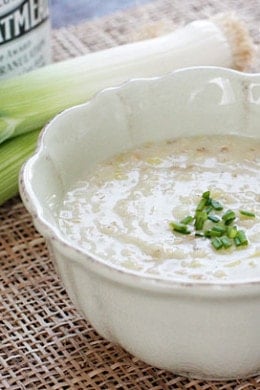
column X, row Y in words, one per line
column 208, row 209
column 247, row 213
column 199, row 234
column 231, row 231
column 202, row 204
column 227, row 242
column 214, row 218
column 241, row 238
column 217, row 243
column 187, row 220
column 216, row 205
column 179, row 227
column 229, row 217
column 206, row 195
column 200, row 219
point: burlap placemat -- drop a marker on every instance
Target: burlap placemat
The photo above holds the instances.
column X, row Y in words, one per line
column 45, row 343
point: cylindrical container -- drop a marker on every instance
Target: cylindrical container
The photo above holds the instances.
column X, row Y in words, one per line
column 24, row 36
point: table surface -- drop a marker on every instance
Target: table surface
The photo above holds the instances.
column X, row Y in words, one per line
column 45, row 342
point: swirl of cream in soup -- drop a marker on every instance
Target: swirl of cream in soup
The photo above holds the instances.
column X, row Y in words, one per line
column 121, row 212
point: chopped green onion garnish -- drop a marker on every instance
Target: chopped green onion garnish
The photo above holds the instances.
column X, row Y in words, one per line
column 229, row 217
column 212, row 233
column 187, row 220
column 202, row 204
column 227, row 243
column 206, row 195
column 219, row 228
column 199, row 234
column 214, row 218
column 237, row 241
column 231, row 231
column 217, row 243
column 247, row 213
column 208, row 209
column 216, row 205
column 180, row 228
column 241, row 239
column 216, row 231
column 222, row 232
column 200, row 219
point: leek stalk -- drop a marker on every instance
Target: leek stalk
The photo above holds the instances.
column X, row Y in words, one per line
column 27, row 102
column 13, row 154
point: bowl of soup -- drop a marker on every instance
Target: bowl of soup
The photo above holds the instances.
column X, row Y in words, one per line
column 148, row 197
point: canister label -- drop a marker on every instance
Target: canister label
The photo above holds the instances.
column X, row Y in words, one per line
column 24, row 36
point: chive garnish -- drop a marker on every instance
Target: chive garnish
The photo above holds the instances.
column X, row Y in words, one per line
column 217, row 243
column 212, row 233
column 216, row 205
column 231, row 231
column 206, row 195
column 180, row 228
column 202, row 204
column 214, row 218
column 219, row 228
column 241, row 239
column 227, row 243
column 208, row 209
column 247, row 213
column 222, row 233
column 216, row 231
column 200, row 218
column 187, row 220
column 199, row 234
column 229, row 217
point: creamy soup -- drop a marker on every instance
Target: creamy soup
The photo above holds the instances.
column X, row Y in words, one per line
column 121, row 211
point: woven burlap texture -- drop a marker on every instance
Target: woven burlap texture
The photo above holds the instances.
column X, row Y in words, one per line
column 45, row 343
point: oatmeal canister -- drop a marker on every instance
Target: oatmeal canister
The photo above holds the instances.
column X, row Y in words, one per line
column 24, row 36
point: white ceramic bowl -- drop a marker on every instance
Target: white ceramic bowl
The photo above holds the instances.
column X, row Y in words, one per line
column 205, row 330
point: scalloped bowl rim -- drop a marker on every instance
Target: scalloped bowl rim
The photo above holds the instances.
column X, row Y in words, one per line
column 132, row 277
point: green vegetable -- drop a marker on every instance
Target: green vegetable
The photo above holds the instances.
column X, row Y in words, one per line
column 231, row 231
column 202, row 204
column 216, row 205
column 217, row 243
column 14, row 153
column 206, row 195
column 247, row 213
column 214, row 218
column 187, row 220
column 208, row 209
column 219, row 228
column 222, row 233
column 180, row 228
column 229, row 217
column 241, row 239
column 216, row 231
column 199, row 234
column 200, row 219
column 29, row 101
column 212, row 233
column 227, row 243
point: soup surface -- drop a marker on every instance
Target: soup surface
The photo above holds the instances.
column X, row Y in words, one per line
column 121, row 211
